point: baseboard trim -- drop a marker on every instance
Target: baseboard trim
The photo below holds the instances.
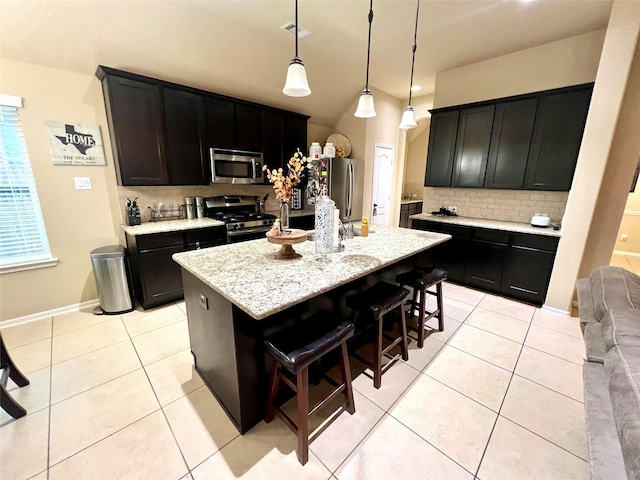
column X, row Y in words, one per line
column 624, row 252
column 49, row 313
column 557, row 311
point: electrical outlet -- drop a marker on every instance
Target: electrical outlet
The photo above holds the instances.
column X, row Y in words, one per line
column 624, row 237
column 203, row 300
column 453, row 209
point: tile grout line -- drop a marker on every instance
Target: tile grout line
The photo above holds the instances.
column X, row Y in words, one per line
column 548, row 388
column 503, row 399
column 50, row 395
column 157, row 399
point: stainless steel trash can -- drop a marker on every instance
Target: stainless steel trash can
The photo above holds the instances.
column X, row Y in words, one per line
column 110, row 271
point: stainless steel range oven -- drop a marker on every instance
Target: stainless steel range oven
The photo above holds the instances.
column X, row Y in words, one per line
column 239, row 214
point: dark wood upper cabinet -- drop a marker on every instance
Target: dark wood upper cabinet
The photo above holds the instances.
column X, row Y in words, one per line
column 472, row 146
column 187, row 145
column 248, row 137
column 233, row 126
column 135, row 114
column 295, row 135
column 510, row 142
column 557, row 135
column 222, row 123
column 440, row 154
column 272, row 138
column 161, row 132
column 526, row 142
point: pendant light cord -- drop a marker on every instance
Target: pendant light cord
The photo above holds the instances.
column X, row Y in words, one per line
column 296, row 28
column 369, row 43
column 414, row 47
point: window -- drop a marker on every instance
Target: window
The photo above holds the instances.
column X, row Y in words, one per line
column 23, row 239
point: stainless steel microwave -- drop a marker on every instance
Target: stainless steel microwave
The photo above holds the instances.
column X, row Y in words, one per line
column 236, row 166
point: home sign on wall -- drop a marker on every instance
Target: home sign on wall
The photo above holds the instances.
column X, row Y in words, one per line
column 75, row 143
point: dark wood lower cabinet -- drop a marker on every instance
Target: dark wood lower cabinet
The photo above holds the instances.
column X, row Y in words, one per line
column 157, row 278
column 515, row 265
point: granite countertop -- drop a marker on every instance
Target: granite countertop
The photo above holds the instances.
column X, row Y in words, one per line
column 410, row 200
column 249, row 275
column 171, row 226
column 491, row 224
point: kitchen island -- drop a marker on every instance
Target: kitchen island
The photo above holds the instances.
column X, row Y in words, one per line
column 236, row 294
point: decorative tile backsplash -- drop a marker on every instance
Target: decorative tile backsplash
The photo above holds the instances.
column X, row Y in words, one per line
column 507, row 205
column 147, row 196
column 411, row 189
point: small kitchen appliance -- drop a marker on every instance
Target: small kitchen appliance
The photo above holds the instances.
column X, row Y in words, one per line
column 236, row 166
column 540, row 220
column 188, row 206
column 239, row 213
column 199, row 207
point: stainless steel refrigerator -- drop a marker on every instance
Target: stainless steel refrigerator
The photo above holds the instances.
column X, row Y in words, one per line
column 345, row 181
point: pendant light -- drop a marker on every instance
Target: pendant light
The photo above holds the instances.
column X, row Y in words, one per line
column 409, row 116
column 296, row 84
column 365, row 104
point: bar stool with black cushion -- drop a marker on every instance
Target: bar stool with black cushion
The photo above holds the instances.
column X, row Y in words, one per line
column 420, row 280
column 371, row 306
column 297, row 347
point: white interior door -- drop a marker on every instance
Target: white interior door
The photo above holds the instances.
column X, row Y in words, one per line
column 382, row 184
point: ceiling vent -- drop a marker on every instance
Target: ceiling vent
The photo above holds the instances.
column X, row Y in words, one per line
column 291, row 28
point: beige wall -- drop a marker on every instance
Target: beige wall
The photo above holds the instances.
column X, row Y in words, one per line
column 606, row 160
column 570, row 61
column 417, row 144
column 317, row 133
column 630, row 224
column 77, row 221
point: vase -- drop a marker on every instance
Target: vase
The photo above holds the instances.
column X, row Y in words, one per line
column 284, row 215
column 325, row 208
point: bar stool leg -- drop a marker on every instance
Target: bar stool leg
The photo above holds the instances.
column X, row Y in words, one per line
column 346, row 378
column 12, row 407
column 405, row 340
column 423, row 303
column 303, row 415
column 273, row 391
column 377, row 356
column 440, row 311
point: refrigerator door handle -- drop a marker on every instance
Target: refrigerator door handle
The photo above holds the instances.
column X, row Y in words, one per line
column 350, row 191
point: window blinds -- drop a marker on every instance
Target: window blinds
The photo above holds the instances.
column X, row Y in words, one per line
column 23, row 238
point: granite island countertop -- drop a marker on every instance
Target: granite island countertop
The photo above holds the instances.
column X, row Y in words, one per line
column 249, row 275
column 490, row 224
column 171, row 226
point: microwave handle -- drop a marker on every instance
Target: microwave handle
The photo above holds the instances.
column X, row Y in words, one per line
column 254, row 165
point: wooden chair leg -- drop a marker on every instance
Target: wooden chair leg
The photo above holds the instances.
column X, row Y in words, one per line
column 377, row 355
column 303, row 415
column 440, row 307
column 405, row 340
column 273, row 391
column 12, row 407
column 6, row 362
column 346, row 378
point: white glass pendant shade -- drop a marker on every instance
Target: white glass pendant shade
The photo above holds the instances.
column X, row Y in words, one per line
column 365, row 106
column 296, row 84
column 408, row 119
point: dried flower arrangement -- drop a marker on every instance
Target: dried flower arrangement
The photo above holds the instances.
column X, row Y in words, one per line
column 283, row 184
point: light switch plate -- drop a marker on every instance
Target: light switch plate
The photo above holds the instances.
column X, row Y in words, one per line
column 82, row 183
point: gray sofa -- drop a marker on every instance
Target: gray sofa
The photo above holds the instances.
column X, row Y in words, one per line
column 609, row 303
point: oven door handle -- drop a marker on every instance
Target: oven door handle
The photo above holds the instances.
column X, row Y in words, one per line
column 237, row 233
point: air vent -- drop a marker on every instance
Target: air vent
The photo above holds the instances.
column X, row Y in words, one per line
column 291, row 28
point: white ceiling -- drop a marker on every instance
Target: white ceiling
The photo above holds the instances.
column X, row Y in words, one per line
column 237, row 47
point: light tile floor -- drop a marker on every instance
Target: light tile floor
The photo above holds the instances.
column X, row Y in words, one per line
column 628, row 262
column 498, row 395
